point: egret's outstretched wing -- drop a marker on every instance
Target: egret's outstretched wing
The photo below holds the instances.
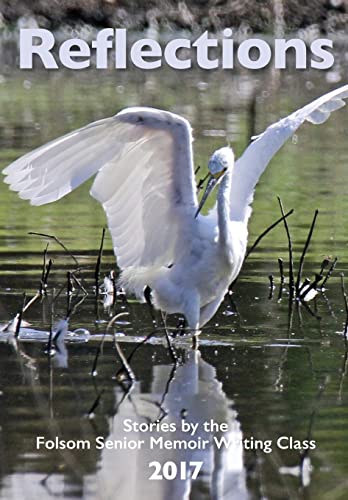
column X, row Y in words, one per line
column 145, row 179
column 256, row 157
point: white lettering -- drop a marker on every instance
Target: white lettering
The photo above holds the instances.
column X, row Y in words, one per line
column 102, row 44
column 327, row 58
column 281, row 46
column 148, row 54
column 27, row 48
column 203, row 44
column 170, row 53
column 68, row 50
column 138, row 52
column 264, row 53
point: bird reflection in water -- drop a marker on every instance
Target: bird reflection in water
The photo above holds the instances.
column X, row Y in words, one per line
column 195, row 396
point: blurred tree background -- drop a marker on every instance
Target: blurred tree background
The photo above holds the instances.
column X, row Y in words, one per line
column 258, row 16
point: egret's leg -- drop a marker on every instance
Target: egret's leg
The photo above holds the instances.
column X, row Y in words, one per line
column 147, row 296
column 192, row 314
column 205, row 314
column 195, row 341
column 170, row 347
column 180, row 328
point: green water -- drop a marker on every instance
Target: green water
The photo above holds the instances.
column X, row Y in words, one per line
column 264, row 372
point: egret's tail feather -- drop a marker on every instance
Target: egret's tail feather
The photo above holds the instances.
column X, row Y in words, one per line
column 135, row 279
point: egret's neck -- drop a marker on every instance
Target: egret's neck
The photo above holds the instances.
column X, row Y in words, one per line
column 223, row 208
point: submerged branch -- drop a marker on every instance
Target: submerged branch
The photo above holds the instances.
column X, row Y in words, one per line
column 98, row 264
column 330, row 271
column 52, row 237
column 291, row 262
column 305, row 249
column 345, row 332
column 266, row 231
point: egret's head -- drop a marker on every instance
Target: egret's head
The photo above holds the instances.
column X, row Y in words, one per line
column 219, row 164
column 221, row 161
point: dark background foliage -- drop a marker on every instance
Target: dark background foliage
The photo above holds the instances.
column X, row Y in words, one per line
column 256, row 15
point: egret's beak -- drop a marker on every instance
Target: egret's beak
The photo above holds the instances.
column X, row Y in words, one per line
column 210, row 186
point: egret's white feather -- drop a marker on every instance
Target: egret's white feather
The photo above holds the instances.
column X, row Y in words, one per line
column 145, row 179
column 149, row 208
column 55, row 169
column 250, row 166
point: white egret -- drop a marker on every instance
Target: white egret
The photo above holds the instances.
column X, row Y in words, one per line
column 145, row 181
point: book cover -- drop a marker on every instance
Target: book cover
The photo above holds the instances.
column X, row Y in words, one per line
column 173, row 250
